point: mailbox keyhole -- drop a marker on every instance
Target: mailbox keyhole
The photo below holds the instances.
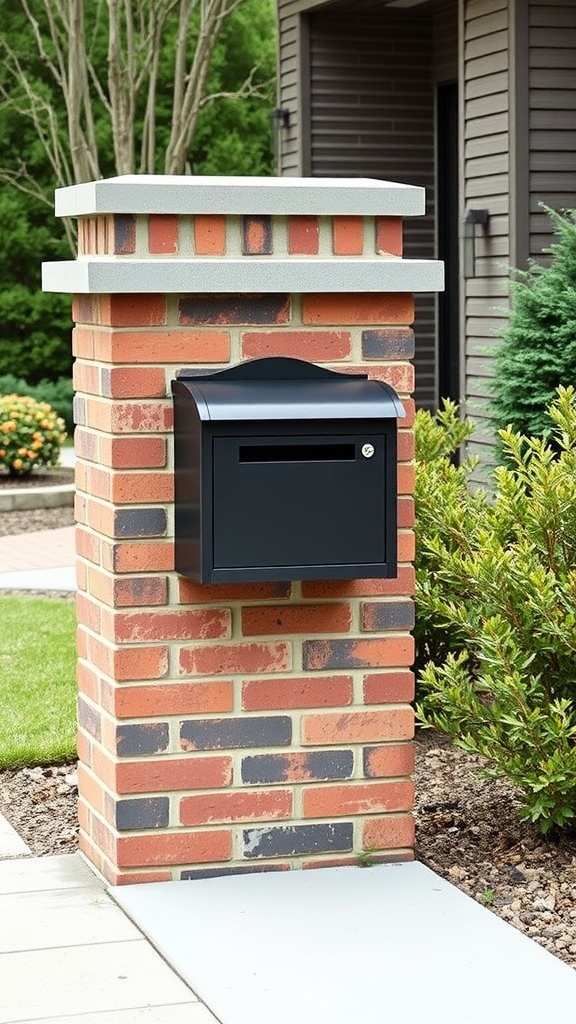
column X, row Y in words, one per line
column 297, row 453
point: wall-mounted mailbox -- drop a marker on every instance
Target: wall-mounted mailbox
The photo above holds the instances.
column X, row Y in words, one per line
column 284, row 471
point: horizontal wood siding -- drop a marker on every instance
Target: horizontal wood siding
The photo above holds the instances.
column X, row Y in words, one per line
column 552, row 135
column 372, row 115
column 486, row 186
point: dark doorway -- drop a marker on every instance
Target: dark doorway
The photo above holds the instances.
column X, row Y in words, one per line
column 448, row 240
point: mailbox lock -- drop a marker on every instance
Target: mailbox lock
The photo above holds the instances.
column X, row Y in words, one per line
column 367, row 451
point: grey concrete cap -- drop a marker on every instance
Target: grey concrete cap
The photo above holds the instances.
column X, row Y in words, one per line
column 98, row 275
column 190, row 194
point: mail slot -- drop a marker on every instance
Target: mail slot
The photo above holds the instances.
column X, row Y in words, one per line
column 284, row 471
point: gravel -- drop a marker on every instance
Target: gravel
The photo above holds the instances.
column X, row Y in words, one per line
column 467, row 827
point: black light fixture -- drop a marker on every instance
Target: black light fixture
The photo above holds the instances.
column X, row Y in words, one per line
column 280, row 118
column 472, row 220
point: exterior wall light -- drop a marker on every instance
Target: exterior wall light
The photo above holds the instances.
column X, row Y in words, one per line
column 472, row 220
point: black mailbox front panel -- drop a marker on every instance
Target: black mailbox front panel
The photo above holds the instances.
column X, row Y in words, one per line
column 284, row 471
column 295, row 505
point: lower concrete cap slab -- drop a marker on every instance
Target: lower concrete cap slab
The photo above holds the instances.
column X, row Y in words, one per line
column 349, row 946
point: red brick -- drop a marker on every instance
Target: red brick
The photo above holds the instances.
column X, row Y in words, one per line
column 140, row 590
column 138, row 556
column 138, row 877
column 405, row 513
column 133, row 382
column 406, row 478
column 162, row 233
column 303, row 236
column 127, row 663
column 140, row 488
column 406, row 546
column 86, row 377
column 132, row 310
column 140, row 627
column 83, row 343
column 315, row 345
column 348, row 236
column 173, row 699
column 88, row 681
column 366, row 798
column 389, row 688
column 217, row 659
column 90, row 789
column 406, row 446
column 86, row 445
column 358, row 308
column 400, row 375
column 209, row 235
column 305, row 692
column 257, row 235
column 173, row 774
column 87, row 545
column 260, row 805
column 263, row 620
column 330, row 862
column 378, row 652
column 170, row 346
column 407, row 421
column 388, row 760
column 175, row 848
column 88, row 612
column 133, row 452
column 402, row 584
column 358, row 727
column 94, row 481
column 196, row 593
column 389, row 833
column 85, row 309
column 389, row 235
column 128, row 417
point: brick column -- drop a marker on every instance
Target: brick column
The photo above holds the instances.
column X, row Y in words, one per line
column 244, row 727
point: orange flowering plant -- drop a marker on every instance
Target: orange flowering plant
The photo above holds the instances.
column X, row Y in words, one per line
column 31, row 434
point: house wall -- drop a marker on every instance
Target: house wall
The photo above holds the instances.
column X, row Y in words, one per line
column 486, row 184
column 552, row 121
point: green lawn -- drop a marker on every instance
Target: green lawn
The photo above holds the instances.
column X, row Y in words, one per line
column 37, row 681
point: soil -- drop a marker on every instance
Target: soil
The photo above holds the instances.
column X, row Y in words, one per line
column 467, row 830
column 38, row 478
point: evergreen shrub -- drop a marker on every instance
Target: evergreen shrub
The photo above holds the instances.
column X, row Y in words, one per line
column 537, row 352
column 31, row 434
column 496, row 609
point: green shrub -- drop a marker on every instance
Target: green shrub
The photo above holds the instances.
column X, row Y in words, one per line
column 496, row 586
column 58, row 393
column 537, row 352
column 31, row 434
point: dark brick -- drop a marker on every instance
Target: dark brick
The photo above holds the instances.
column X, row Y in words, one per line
column 89, row 719
column 381, row 615
column 293, row 840
column 79, row 410
column 140, row 522
column 248, row 869
column 124, row 233
column 256, row 236
column 298, row 767
column 388, row 343
column 150, row 812
column 132, row 740
column 234, row 309
column 226, row 733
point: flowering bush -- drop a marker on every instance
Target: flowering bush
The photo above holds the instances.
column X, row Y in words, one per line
column 31, row 434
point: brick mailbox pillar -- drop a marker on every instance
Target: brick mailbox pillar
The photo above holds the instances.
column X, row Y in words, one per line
column 232, row 727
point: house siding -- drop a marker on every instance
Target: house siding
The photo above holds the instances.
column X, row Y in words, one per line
column 486, row 185
column 552, row 125
column 372, row 115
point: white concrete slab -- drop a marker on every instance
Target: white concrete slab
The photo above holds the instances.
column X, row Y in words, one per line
column 184, row 1013
column 38, row 874
column 85, row 979
column 69, row 917
column 11, row 844
column 57, row 578
column 349, row 946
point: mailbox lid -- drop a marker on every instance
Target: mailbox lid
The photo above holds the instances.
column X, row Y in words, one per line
column 287, row 389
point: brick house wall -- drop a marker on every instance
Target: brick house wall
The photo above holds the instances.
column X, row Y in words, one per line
column 238, row 727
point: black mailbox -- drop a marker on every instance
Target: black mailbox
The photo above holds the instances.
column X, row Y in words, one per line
column 284, row 471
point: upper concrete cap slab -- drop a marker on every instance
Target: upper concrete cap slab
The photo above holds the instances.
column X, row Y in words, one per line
column 190, row 194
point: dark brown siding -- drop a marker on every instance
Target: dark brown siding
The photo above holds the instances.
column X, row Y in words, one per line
column 372, row 115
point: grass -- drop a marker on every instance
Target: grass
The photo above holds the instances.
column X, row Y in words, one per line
column 37, row 681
